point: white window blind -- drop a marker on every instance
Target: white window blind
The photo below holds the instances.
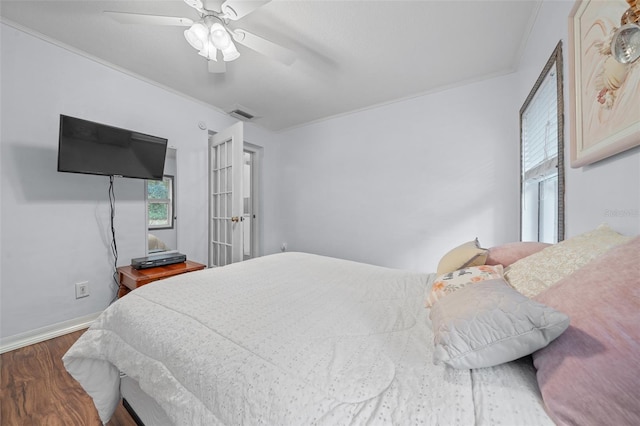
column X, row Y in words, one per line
column 539, row 131
column 542, row 156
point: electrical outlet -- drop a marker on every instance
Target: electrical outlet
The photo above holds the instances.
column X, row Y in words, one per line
column 82, row 289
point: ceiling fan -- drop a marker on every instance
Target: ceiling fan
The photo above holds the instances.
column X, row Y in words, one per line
column 211, row 34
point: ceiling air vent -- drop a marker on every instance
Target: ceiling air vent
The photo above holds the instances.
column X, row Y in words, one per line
column 241, row 114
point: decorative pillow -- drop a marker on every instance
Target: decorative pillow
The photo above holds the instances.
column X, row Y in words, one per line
column 535, row 273
column 452, row 281
column 506, row 254
column 467, row 254
column 489, row 324
column 590, row 374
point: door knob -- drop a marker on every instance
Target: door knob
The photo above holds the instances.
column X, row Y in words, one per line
column 235, row 219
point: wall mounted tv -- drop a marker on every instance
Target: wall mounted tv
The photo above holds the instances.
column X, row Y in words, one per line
column 98, row 149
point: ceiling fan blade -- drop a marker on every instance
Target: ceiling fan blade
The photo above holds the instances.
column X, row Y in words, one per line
column 139, row 18
column 216, row 67
column 236, row 9
column 264, row 46
column 196, row 4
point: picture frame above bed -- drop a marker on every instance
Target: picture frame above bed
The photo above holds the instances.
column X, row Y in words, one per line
column 604, row 94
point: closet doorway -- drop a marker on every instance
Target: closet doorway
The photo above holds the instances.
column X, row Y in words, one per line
column 250, row 234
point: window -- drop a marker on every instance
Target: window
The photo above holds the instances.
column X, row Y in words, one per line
column 160, row 203
column 542, row 156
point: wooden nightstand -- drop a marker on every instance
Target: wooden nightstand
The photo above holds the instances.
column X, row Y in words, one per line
column 131, row 278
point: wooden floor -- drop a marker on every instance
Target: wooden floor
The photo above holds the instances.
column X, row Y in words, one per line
column 37, row 390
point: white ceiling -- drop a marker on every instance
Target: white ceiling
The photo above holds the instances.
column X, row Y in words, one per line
column 351, row 54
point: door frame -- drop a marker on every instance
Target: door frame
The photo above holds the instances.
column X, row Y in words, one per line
column 256, row 200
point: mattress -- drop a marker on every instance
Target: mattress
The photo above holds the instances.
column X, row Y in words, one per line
column 292, row 338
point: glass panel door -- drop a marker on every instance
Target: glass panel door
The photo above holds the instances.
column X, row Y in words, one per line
column 226, row 204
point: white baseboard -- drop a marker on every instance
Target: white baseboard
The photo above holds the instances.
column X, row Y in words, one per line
column 45, row 333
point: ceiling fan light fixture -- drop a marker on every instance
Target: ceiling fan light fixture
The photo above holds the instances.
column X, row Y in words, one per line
column 219, row 36
column 230, row 53
column 209, row 51
column 192, row 40
column 208, row 37
column 197, row 35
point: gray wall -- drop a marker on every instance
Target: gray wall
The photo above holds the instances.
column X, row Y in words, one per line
column 401, row 184
column 55, row 226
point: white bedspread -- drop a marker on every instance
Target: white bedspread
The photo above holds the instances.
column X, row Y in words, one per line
column 289, row 339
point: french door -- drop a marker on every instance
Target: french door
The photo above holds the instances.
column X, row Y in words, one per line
column 225, row 196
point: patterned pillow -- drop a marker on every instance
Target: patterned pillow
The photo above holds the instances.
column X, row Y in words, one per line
column 535, row 273
column 467, row 254
column 448, row 283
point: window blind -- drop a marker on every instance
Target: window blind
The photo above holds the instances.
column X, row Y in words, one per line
column 539, row 130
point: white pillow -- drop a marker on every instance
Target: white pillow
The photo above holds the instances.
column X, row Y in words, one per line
column 490, row 323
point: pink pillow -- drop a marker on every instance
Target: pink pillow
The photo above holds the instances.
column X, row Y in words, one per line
column 509, row 253
column 590, row 375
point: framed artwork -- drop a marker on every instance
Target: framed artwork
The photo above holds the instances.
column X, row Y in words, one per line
column 604, row 94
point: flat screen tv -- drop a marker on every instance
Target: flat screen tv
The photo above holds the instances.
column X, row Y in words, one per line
column 97, row 149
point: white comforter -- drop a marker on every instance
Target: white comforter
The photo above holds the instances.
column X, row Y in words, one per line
column 292, row 339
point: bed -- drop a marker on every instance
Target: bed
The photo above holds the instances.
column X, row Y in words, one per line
column 300, row 339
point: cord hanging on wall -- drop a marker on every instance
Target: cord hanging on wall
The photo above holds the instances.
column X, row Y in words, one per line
column 114, row 246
